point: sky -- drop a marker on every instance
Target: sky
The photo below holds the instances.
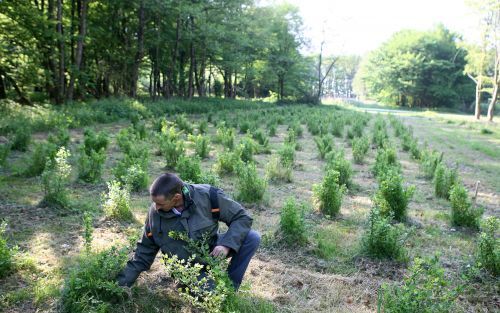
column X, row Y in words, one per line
column 359, row 26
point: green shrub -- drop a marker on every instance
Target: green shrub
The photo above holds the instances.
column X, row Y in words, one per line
column 201, row 145
column 287, row 155
column 261, row 138
column 385, row 161
column 486, row 131
column 429, row 159
column 4, row 153
column 88, row 229
column 225, row 136
column 324, row 145
column 382, row 239
column 337, row 162
column 297, row 129
column 227, row 162
column 55, row 178
column 380, row 136
column 93, row 141
column 60, row 138
column 276, row 171
column 209, row 177
column 21, row 138
column 291, row 139
column 246, row 149
column 356, row 131
column 116, row 203
column 462, row 211
column 90, row 166
column 189, row 169
column 251, row 188
column 391, row 197
column 125, row 140
column 444, row 178
column 488, row 254
column 328, row 195
column 360, row 148
column 203, row 127
column 184, row 124
column 337, row 127
column 273, row 128
column 292, row 223
column 245, row 126
column 38, row 159
column 206, row 284
column 424, row 289
column 136, row 178
column 91, row 285
column 139, row 129
column 171, row 150
column 6, row 253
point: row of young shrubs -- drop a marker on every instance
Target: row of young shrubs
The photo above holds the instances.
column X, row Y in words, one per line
column 447, row 185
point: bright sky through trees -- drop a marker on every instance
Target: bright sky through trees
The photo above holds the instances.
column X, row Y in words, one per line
column 358, row 26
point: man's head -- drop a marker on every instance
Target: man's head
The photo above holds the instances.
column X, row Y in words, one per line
column 166, row 192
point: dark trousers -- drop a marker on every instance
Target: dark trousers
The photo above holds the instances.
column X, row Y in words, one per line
column 240, row 260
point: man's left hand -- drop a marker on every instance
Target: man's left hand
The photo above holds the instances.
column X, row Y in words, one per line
column 220, row 251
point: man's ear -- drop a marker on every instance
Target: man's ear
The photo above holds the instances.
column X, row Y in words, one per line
column 177, row 197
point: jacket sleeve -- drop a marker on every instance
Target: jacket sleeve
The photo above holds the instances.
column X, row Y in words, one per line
column 142, row 260
column 236, row 218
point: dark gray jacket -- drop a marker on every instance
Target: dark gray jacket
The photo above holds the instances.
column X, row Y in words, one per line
column 196, row 219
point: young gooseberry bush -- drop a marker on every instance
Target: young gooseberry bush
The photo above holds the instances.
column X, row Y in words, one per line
column 328, row 195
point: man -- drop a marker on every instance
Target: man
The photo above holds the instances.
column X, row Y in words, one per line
column 196, row 210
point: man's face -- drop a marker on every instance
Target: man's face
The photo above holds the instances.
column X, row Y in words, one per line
column 163, row 204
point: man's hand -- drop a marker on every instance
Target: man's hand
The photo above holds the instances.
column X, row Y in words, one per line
column 220, row 251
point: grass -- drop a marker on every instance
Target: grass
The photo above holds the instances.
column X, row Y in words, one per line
column 297, row 280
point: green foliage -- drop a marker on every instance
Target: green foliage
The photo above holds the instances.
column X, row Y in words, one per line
column 91, row 285
column 337, row 127
column 6, row 253
column 429, row 159
column 382, row 239
column 227, row 162
column 297, row 129
column 424, row 289
column 189, row 169
column 203, row 127
column 292, row 224
column 90, row 165
column 21, row 137
column 88, row 229
column 276, row 171
column 225, row 136
column 328, row 195
column 93, row 141
column 444, row 178
column 272, row 130
column 136, row 178
column 287, row 155
column 488, row 254
column 201, row 145
column 184, row 124
column 60, row 138
column 55, row 178
column 38, row 159
column 385, row 161
column 416, row 69
column 337, row 162
column 171, row 149
column 4, row 153
column 246, row 149
column 261, row 138
column 204, row 279
column 360, row 148
column 486, row 131
column 125, row 140
column 324, row 144
column 116, row 203
column 251, row 188
column 462, row 211
column 291, row 139
column 392, row 198
column 380, row 135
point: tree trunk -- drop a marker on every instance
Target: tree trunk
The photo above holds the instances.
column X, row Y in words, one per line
column 477, row 107
column 140, row 51
column 62, row 65
column 82, row 29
